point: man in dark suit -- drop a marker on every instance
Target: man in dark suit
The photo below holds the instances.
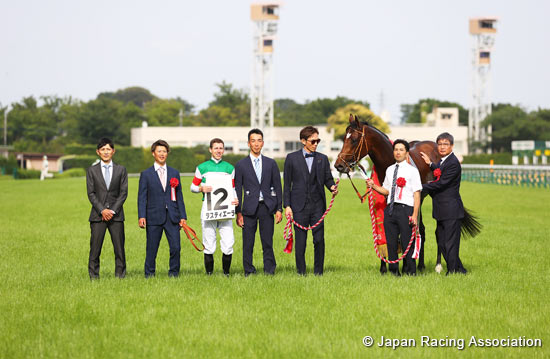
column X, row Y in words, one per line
column 161, row 208
column 107, row 186
column 306, row 172
column 448, row 209
column 258, row 176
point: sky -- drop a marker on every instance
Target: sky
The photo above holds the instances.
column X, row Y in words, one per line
column 406, row 50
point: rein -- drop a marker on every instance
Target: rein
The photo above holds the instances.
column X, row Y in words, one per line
column 289, row 221
column 375, row 237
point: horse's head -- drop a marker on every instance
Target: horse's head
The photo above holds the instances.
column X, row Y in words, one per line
column 354, row 147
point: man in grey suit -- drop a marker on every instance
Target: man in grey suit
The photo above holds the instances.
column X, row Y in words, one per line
column 107, row 185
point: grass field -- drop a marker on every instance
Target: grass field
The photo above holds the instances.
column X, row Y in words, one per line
column 51, row 309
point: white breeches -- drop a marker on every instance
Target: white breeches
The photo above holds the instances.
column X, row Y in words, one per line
column 227, row 239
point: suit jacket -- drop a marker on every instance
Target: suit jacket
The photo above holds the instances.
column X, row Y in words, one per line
column 100, row 197
column 154, row 202
column 246, row 179
column 296, row 179
column 445, row 192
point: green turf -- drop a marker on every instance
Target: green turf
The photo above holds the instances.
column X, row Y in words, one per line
column 49, row 307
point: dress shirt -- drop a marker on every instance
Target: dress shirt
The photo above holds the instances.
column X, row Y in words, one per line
column 413, row 183
column 253, row 159
column 309, row 160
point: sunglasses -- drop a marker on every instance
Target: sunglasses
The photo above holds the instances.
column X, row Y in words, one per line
column 314, row 142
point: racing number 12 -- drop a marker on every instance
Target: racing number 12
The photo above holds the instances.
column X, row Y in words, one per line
column 218, row 205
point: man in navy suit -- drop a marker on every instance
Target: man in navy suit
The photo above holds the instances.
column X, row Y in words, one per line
column 448, row 209
column 258, row 176
column 306, row 172
column 159, row 211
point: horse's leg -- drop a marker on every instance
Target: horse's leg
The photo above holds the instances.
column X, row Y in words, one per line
column 383, row 269
column 421, row 266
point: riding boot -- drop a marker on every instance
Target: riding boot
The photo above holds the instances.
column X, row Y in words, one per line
column 209, row 263
column 226, row 263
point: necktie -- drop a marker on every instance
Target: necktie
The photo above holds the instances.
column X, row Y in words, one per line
column 107, row 176
column 392, row 195
column 258, row 174
column 257, row 169
column 162, row 178
column 310, row 155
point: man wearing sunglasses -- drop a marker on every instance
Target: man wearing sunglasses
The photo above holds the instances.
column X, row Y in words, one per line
column 306, row 172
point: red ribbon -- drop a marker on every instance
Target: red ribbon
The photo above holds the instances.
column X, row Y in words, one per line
column 401, row 182
column 437, row 174
column 174, row 183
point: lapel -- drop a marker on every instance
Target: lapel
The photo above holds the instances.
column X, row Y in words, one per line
column 317, row 166
column 265, row 173
column 303, row 164
column 99, row 176
column 251, row 165
column 156, row 175
column 116, row 172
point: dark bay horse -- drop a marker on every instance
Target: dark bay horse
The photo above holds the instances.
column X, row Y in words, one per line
column 361, row 140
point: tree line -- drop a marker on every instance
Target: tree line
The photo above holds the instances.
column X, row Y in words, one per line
column 50, row 123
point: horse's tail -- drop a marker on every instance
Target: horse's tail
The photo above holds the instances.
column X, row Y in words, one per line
column 470, row 226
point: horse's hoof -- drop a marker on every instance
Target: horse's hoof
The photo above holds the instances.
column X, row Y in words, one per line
column 438, row 268
column 420, row 268
column 383, row 270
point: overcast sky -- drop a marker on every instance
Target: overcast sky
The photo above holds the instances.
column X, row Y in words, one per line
column 407, row 49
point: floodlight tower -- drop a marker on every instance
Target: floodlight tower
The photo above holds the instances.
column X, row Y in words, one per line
column 483, row 33
column 264, row 18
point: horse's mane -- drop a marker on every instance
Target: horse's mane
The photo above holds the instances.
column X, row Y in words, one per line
column 353, row 125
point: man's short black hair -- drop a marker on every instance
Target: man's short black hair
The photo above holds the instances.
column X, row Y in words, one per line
column 160, row 143
column 255, row 131
column 403, row 142
column 105, row 141
column 445, row 136
column 307, row 132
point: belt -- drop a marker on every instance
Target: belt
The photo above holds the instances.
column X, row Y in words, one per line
column 401, row 205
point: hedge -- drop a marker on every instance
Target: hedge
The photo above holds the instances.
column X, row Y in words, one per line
column 501, row 158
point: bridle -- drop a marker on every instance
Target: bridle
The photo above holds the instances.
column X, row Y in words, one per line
column 355, row 159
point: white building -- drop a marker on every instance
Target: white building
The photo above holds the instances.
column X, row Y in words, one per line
column 287, row 139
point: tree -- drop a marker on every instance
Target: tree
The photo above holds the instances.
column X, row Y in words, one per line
column 290, row 113
column 32, row 127
column 508, row 123
column 339, row 121
column 105, row 117
column 138, row 95
column 160, row 112
column 425, row 106
column 230, row 107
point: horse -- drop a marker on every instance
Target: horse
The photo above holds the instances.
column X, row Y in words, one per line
column 362, row 139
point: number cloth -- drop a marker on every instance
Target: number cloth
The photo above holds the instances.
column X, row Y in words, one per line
column 213, row 168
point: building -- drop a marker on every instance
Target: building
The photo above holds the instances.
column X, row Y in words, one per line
column 286, row 139
column 34, row 161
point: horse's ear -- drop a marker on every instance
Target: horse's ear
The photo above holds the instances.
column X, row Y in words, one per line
column 357, row 121
column 350, row 118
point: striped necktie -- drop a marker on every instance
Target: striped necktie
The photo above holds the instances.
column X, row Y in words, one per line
column 258, row 171
column 393, row 184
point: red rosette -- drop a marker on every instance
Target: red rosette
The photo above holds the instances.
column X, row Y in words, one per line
column 437, row 174
column 401, row 182
column 174, row 182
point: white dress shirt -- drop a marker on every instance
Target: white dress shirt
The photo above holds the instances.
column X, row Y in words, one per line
column 413, row 183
